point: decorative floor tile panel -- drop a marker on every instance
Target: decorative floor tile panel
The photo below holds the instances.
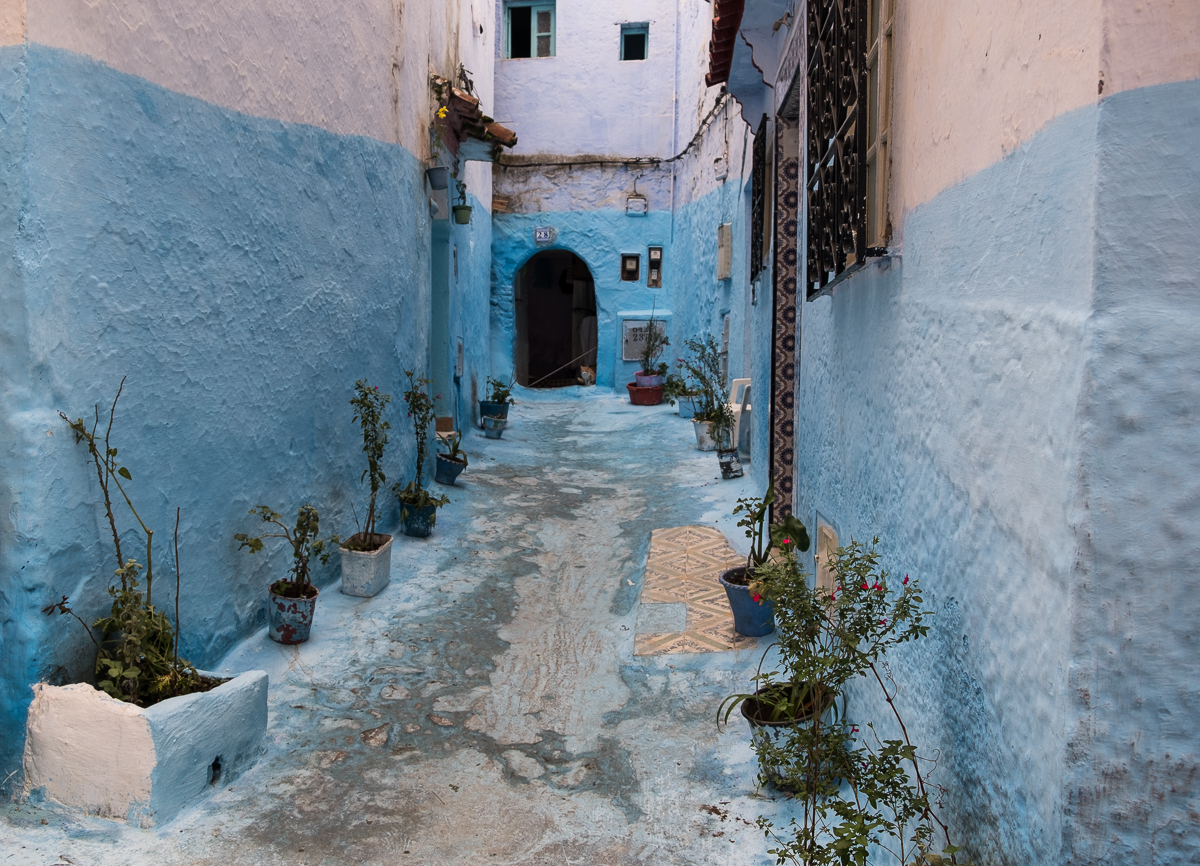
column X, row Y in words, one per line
column 683, row 566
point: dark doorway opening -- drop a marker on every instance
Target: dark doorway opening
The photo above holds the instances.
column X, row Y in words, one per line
column 556, row 320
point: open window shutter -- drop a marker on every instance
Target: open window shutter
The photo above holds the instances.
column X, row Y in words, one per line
column 543, row 30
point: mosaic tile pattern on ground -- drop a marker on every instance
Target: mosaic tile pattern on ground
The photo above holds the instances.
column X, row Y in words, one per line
column 683, row 566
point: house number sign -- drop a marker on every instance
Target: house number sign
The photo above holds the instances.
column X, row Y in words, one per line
column 544, row 235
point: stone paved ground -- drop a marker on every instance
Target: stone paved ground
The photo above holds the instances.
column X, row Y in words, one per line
column 487, row 707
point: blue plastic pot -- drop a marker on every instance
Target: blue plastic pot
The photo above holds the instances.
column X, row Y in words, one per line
column 493, row 427
column 416, row 521
column 486, row 407
column 445, row 470
column 750, row 618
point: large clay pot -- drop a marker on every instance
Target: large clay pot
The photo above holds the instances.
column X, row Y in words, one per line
column 764, row 726
column 290, row 619
column 644, row 396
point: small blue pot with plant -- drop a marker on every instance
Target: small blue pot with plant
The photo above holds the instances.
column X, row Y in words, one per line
column 418, row 507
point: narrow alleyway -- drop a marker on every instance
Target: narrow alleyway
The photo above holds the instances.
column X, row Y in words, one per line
column 487, row 707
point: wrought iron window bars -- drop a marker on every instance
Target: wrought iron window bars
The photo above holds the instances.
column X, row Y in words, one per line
column 836, row 186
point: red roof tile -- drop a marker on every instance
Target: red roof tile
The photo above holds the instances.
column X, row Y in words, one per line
column 727, row 19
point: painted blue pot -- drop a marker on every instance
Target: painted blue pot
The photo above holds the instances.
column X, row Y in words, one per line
column 687, row 408
column 750, row 618
column 445, row 470
column 493, row 427
column 486, row 408
column 416, row 521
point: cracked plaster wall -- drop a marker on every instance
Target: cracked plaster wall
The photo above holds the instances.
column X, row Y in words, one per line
column 243, row 270
column 1009, row 408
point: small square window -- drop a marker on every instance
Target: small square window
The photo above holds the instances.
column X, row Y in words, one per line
column 635, row 41
column 631, row 267
column 529, row 29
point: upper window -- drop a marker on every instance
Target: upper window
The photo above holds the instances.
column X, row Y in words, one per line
column 530, row 29
column 635, row 41
column 849, row 125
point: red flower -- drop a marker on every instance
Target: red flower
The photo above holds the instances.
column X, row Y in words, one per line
column 787, row 541
column 883, row 622
column 906, row 580
column 865, row 586
column 756, row 597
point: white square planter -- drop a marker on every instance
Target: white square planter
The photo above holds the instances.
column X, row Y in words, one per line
column 110, row 758
column 365, row 574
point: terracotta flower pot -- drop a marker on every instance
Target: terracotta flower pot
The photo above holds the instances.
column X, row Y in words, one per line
column 644, row 396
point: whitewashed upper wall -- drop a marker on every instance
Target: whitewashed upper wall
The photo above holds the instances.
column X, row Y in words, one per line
column 585, row 99
column 358, row 68
column 974, row 82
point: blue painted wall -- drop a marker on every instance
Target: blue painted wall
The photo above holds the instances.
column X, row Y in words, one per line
column 598, row 237
column 242, row 272
column 702, row 300
column 1133, row 751
column 1009, row 406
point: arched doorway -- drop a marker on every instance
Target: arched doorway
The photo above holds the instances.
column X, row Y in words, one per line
column 555, row 306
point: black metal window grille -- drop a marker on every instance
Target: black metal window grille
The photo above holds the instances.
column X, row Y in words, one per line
column 758, row 200
column 836, row 188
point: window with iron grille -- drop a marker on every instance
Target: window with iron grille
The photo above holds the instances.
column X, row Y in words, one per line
column 758, row 201
column 849, row 126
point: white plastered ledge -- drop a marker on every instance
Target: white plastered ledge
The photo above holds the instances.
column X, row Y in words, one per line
column 105, row 757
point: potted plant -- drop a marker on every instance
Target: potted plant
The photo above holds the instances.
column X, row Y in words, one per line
column 647, row 387
column 498, row 400
column 703, row 369
column 169, row 718
column 752, row 613
column 462, row 210
column 292, row 600
column 676, row 387
column 856, row 790
column 367, row 555
column 451, row 464
column 493, row 426
column 418, row 507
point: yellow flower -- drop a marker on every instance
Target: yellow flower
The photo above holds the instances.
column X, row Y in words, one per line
column 442, row 112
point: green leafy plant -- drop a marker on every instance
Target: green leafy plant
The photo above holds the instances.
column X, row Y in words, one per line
column 453, row 452
column 421, row 411
column 499, row 391
column 703, row 369
column 138, row 658
column 304, row 541
column 856, row 789
column 413, row 496
column 764, row 538
column 369, row 405
column 656, row 343
column 676, row 386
